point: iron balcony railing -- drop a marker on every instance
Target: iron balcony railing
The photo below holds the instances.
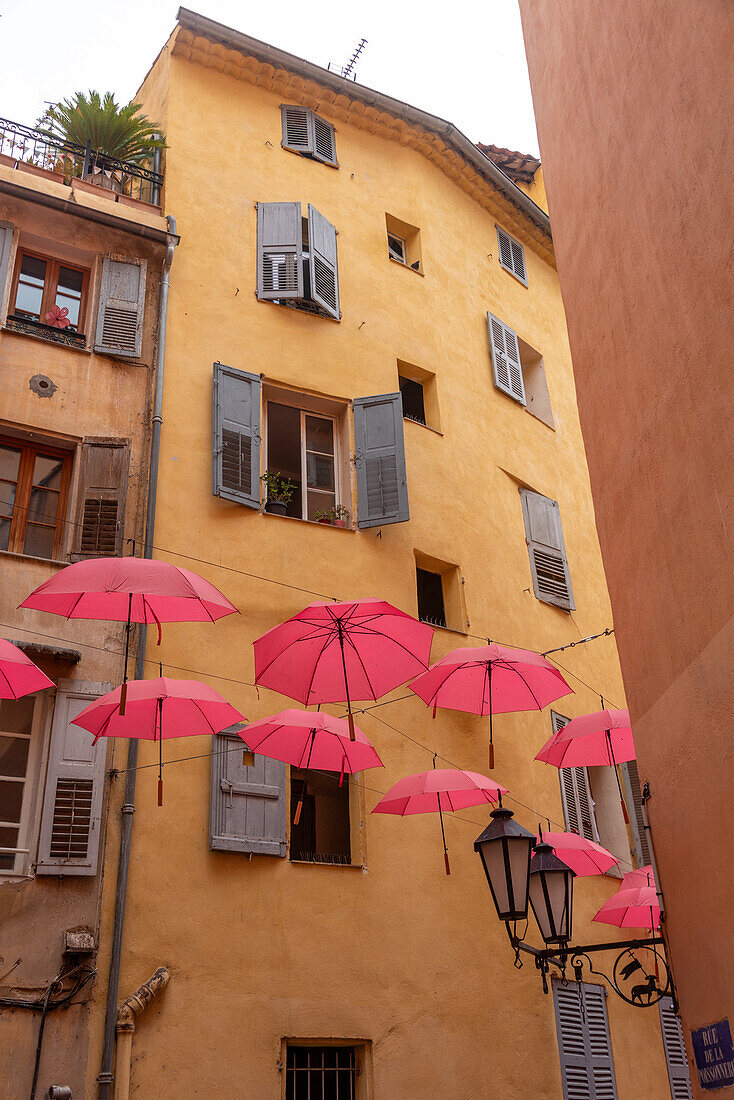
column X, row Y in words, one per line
column 71, row 161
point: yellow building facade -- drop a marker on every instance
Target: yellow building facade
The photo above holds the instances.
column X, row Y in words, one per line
column 347, row 935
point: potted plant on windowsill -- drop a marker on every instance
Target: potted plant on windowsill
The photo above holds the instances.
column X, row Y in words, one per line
column 334, row 517
column 280, row 492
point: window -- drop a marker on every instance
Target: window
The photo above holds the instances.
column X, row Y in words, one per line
column 297, row 258
column 320, row 1073
column 640, row 847
column 16, row 772
column 512, row 255
column 431, row 607
column 547, row 551
column 440, row 592
column 303, row 448
column 675, row 1051
column 42, row 283
column 322, row 832
column 584, row 1044
column 413, row 404
column 404, row 243
column 34, row 485
column 578, row 805
column 306, row 133
column 419, row 394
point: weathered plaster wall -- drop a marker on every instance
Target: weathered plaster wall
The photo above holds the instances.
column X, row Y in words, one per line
column 632, row 103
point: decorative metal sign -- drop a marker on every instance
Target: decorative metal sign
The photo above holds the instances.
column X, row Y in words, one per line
column 641, row 976
column 714, row 1054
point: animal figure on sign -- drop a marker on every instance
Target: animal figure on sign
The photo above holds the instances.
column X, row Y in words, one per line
column 648, row 989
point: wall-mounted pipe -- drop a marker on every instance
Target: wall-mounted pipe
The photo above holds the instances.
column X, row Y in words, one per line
column 127, row 1014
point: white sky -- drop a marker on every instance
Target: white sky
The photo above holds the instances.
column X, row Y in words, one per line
column 460, row 60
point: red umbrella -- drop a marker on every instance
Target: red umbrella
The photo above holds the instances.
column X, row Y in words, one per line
column 602, row 738
column 631, row 907
column 130, row 590
column 583, row 856
column 309, row 739
column 491, row 679
column 440, row 789
column 18, row 675
column 190, row 708
column 336, row 652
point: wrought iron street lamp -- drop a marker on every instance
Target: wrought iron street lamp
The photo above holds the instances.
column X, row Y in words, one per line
column 505, row 848
column 551, row 894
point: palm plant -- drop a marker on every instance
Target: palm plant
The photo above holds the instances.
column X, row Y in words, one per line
column 114, row 131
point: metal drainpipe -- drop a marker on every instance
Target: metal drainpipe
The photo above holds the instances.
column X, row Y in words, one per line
column 106, row 1076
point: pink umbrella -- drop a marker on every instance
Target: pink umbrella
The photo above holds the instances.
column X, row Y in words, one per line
column 583, row 856
column 634, row 907
column 309, row 739
column 131, row 590
column 602, row 738
column 192, row 709
column 18, row 675
column 336, row 652
column 491, row 679
column 440, row 789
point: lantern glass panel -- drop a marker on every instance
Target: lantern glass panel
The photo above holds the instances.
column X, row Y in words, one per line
column 550, row 897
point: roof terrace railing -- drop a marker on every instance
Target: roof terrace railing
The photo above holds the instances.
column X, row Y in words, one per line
column 26, row 145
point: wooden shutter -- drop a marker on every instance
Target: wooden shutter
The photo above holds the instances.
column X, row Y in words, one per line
column 121, row 308
column 675, row 1051
column 547, row 550
column 324, row 141
column 279, row 250
column 102, row 494
column 297, row 128
column 512, row 255
column 72, row 803
column 236, row 436
column 382, row 483
column 322, row 262
column 6, row 242
column 587, row 1068
column 633, row 791
column 247, row 811
column 578, row 805
column 506, row 359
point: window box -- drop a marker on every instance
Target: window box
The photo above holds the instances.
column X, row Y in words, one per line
column 66, row 337
column 9, row 162
column 93, row 188
column 44, row 173
column 139, row 204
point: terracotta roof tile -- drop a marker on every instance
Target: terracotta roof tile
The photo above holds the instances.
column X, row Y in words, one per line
column 520, row 167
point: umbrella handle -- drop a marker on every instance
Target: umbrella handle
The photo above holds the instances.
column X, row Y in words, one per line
column 443, row 834
column 625, row 815
column 123, row 690
column 160, row 752
column 350, row 719
column 491, row 743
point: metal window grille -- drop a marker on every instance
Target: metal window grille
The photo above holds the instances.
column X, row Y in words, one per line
column 320, row 1073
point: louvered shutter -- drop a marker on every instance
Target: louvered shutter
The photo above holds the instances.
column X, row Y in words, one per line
column 578, row 805
column 547, row 550
column 279, row 250
column 297, row 128
column 322, row 262
column 587, row 1068
column 6, row 241
column 247, row 810
column 633, row 791
column 512, row 255
column 102, row 494
column 675, row 1051
column 121, row 308
column 72, row 803
column 236, row 436
column 506, row 359
column 382, row 483
column 324, row 142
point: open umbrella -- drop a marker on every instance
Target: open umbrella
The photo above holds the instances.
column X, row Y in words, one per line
column 18, row 675
column 158, row 709
column 583, row 856
column 439, row 790
column 491, row 679
column 337, row 652
column 130, row 590
column 633, row 907
column 309, row 739
column 602, row 738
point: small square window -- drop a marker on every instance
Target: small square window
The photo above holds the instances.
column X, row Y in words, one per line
column 413, row 403
column 404, row 243
column 321, row 834
column 419, row 393
column 321, row 1072
column 396, row 247
column 431, row 607
column 440, row 593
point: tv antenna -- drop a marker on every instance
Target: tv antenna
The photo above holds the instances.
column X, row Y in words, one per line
column 348, row 70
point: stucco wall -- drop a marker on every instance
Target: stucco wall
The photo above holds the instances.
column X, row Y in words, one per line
column 632, row 108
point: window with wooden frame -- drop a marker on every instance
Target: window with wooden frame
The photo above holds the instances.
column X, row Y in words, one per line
column 20, row 739
column 303, row 448
column 42, row 283
column 34, row 490
column 512, row 256
column 322, row 832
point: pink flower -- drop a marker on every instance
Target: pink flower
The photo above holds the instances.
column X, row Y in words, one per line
column 58, row 317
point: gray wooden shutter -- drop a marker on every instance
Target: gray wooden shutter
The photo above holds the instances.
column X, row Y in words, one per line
column 121, row 308
column 382, row 483
column 6, row 242
column 72, row 803
column 102, row 494
column 633, row 791
column 587, row 1068
column 322, row 261
column 247, row 809
column 506, row 359
column 279, row 250
column 675, row 1051
column 324, row 141
column 512, row 255
column 297, row 128
column 547, row 550
column 236, row 436
column 578, row 805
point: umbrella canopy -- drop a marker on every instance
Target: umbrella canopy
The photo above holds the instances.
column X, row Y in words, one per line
column 490, row 679
column 337, row 652
column 138, row 590
column 633, row 907
column 583, row 856
column 310, row 739
column 604, row 737
column 641, row 876
column 18, row 675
